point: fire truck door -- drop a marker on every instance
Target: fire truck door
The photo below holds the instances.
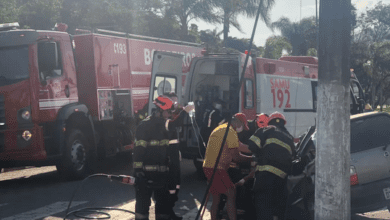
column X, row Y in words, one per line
column 166, row 76
column 54, row 91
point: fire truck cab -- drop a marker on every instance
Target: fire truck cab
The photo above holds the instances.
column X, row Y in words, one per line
column 71, row 100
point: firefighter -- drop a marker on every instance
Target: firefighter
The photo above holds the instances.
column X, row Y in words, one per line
column 150, row 159
column 212, row 117
column 261, row 121
column 273, row 146
column 222, row 184
column 174, row 158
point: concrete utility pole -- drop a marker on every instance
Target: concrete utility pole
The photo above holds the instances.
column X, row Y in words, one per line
column 332, row 184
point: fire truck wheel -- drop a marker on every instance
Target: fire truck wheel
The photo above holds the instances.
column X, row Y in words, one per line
column 75, row 158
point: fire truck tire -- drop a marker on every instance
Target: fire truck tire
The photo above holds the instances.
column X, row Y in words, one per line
column 76, row 156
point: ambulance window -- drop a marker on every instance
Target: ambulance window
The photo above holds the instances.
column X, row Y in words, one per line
column 248, row 93
column 49, row 60
column 163, row 85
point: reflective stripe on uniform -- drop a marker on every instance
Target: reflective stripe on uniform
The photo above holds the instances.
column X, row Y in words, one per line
column 155, row 168
column 141, row 143
column 278, row 142
column 176, row 141
column 210, row 115
column 272, row 169
column 137, row 165
column 164, row 142
column 255, row 140
column 154, row 143
column 167, row 125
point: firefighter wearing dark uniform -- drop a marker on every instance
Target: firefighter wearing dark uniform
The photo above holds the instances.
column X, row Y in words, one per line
column 261, row 121
column 174, row 159
column 274, row 148
column 150, row 160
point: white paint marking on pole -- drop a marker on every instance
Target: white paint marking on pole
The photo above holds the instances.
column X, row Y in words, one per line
column 44, row 211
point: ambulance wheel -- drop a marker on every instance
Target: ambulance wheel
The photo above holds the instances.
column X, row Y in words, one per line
column 76, row 156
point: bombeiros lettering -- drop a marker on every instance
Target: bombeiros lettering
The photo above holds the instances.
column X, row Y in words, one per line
column 148, row 56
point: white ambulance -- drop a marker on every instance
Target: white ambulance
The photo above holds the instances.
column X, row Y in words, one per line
column 287, row 85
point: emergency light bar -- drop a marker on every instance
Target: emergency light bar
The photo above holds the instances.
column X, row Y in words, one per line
column 9, row 26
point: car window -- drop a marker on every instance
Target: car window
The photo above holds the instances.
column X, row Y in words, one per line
column 370, row 132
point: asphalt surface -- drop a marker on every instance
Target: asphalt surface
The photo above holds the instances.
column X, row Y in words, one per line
column 40, row 193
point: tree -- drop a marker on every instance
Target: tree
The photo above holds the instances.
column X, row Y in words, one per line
column 378, row 69
column 301, row 35
column 374, row 25
column 9, row 11
column 74, row 12
column 212, row 39
column 368, row 52
column 194, row 35
column 186, row 10
column 228, row 10
column 39, row 14
column 274, row 47
column 312, row 52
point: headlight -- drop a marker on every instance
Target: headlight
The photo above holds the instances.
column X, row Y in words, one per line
column 26, row 135
column 26, row 115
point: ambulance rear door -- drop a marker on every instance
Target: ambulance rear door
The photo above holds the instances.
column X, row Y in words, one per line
column 166, row 76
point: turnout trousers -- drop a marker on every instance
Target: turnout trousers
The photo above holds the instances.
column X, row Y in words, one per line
column 270, row 196
column 143, row 195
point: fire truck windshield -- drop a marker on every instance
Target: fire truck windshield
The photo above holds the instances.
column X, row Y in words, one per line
column 13, row 65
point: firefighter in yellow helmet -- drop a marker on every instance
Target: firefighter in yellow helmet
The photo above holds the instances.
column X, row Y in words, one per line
column 273, row 146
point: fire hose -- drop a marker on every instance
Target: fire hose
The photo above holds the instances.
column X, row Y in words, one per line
column 84, row 212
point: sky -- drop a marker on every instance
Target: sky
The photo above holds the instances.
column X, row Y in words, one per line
column 291, row 9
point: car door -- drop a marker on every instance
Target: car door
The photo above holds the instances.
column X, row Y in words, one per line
column 370, row 147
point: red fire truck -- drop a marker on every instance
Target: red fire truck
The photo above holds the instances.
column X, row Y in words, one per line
column 69, row 100
column 287, row 85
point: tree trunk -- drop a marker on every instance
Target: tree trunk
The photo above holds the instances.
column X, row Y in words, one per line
column 184, row 27
column 226, row 25
column 373, row 94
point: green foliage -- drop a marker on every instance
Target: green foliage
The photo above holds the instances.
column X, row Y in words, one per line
column 312, row 52
column 228, row 10
column 40, row 14
column 183, row 11
column 275, row 46
column 301, row 35
column 374, row 25
column 370, row 52
column 9, row 11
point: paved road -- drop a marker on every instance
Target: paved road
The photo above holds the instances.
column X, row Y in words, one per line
column 39, row 193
